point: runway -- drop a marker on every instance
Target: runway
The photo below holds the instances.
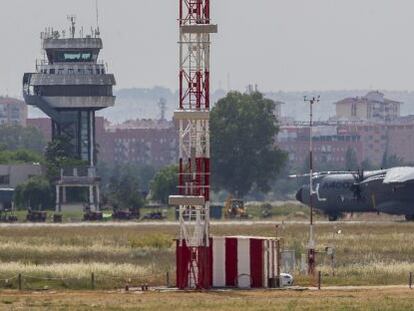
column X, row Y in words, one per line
column 213, row 223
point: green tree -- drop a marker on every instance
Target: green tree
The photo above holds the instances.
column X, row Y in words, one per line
column 34, row 193
column 164, row 184
column 20, row 156
column 124, row 190
column 367, row 165
column 145, row 173
column 391, row 161
column 14, row 137
column 244, row 152
column 58, row 155
column 351, row 160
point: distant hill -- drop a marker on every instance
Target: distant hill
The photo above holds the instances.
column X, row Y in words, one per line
column 142, row 103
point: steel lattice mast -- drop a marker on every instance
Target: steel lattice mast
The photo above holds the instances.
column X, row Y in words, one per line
column 194, row 144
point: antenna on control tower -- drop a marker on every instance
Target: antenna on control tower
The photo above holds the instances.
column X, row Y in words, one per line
column 97, row 31
column 72, row 29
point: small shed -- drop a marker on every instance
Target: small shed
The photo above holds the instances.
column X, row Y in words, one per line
column 234, row 261
column 244, row 261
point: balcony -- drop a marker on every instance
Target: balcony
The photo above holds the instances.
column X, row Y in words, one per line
column 78, row 176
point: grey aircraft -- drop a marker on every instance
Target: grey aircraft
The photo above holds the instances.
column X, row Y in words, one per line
column 389, row 191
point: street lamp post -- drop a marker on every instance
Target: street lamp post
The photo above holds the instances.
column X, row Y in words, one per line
column 311, row 244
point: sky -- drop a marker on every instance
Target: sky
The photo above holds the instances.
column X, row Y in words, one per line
column 287, row 45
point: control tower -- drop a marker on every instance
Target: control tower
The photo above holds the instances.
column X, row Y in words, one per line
column 70, row 84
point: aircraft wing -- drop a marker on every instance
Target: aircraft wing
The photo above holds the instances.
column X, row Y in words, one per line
column 399, row 175
column 323, row 173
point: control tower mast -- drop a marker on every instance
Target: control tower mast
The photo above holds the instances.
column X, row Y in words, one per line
column 193, row 252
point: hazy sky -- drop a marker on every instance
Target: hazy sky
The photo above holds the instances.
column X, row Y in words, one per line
column 278, row 44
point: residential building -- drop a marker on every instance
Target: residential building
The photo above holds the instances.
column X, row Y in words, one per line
column 329, row 145
column 331, row 141
column 12, row 111
column 149, row 142
column 44, row 125
column 371, row 107
column 143, row 142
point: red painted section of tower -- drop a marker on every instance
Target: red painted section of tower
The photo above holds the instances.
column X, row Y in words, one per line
column 256, row 262
column 183, row 255
column 231, row 261
column 203, row 257
column 206, row 266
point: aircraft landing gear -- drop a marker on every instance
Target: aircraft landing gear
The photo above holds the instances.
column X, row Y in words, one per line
column 409, row 217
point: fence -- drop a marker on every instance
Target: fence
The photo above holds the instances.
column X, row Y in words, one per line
column 91, row 282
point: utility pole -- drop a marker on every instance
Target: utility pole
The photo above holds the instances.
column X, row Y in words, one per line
column 311, row 245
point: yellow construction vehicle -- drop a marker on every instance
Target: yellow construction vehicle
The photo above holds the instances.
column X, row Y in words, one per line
column 234, row 209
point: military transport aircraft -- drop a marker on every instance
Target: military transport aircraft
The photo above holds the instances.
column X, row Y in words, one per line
column 388, row 191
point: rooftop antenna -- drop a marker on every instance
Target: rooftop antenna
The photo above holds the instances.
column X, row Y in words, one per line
column 97, row 32
column 72, row 29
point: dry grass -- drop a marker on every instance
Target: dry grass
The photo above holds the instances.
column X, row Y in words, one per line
column 366, row 254
column 379, row 299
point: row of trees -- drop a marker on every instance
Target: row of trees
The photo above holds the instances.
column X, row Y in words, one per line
column 245, row 158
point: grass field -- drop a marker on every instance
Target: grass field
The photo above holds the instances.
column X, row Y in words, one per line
column 366, row 253
column 378, row 299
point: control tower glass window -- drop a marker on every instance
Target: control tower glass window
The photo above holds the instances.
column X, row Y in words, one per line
column 72, row 56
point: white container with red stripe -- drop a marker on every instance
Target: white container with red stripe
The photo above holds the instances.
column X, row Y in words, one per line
column 234, row 261
column 241, row 261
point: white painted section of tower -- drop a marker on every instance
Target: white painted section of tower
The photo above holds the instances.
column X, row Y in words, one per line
column 219, row 262
column 266, row 261
column 243, row 262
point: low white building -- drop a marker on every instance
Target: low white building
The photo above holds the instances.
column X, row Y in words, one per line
column 15, row 174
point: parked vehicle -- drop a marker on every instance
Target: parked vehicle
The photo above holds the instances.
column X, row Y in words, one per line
column 286, row 279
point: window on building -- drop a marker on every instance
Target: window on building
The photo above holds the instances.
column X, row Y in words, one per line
column 72, row 56
column 4, row 179
column 353, row 110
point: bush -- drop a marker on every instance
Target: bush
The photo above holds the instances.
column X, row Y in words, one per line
column 35, row 193
column 158, row 241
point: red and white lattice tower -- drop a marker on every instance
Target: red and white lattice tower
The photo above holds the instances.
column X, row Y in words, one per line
column 193, row 249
